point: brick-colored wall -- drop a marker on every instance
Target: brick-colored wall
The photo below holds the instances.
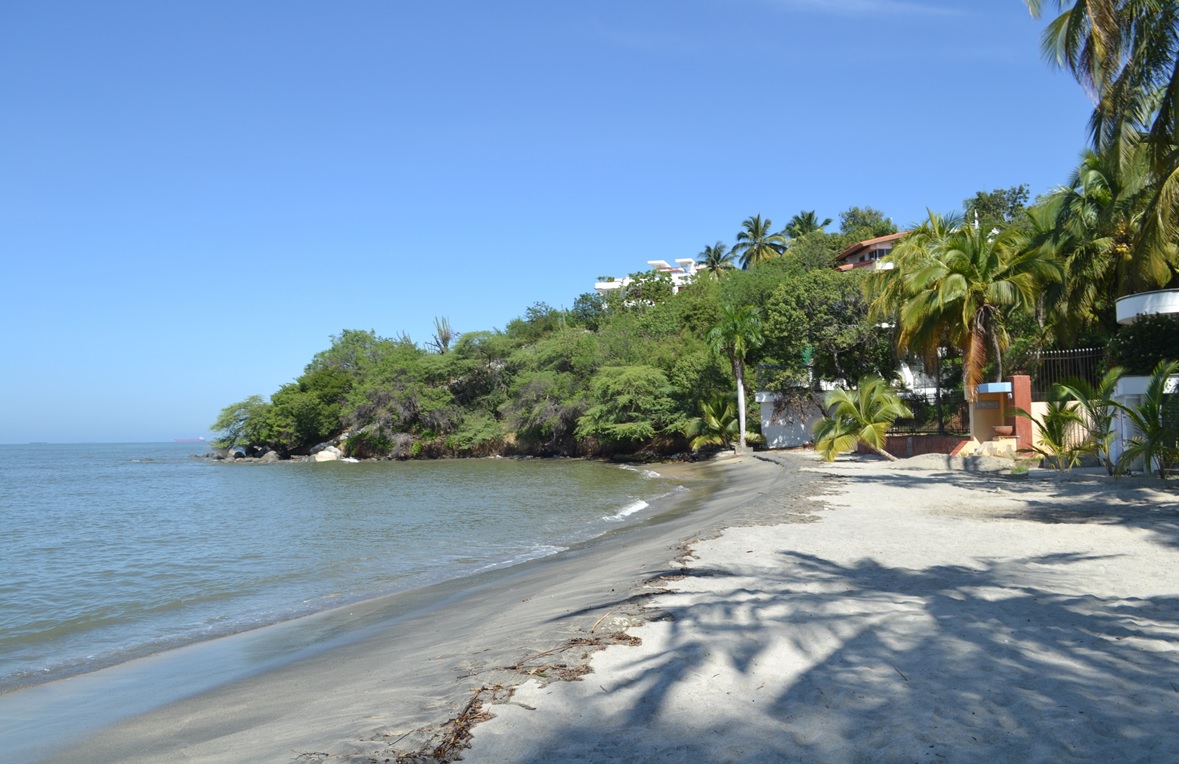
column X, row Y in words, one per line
column 904, row 446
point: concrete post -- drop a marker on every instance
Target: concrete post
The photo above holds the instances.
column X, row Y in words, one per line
column 1021, row 398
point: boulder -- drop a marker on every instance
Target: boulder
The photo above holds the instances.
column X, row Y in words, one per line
column 329, row 454
column 270, row 457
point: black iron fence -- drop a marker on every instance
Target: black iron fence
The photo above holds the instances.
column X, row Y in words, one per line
column 933, row 414
column 1054, row 366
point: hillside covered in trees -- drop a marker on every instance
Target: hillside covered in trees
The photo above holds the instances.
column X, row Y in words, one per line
column 619, row 374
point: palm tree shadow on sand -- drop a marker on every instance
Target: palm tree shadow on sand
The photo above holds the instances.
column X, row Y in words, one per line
column 867, row 662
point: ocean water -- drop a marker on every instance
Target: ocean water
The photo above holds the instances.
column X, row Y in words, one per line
column 114, row 551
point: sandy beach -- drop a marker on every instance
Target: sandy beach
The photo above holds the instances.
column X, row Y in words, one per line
column 923, row 616
column 833, row 613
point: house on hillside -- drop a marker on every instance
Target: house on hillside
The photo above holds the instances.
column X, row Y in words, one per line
column 868, row 254
column 681, row 273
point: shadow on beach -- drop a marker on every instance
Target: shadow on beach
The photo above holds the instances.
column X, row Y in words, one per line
column 813, row 658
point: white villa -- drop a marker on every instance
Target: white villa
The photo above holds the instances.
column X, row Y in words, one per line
column 681, row 273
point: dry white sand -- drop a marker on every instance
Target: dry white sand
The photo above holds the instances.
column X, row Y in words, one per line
column 925, row 616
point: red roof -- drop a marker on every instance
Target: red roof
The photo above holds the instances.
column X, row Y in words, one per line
column 856, row 249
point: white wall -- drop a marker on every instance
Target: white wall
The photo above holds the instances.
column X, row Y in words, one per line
column 786, row 430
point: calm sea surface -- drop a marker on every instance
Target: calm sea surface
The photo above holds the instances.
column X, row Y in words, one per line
column 113, row 551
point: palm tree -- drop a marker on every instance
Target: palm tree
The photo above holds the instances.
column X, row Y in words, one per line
column 1156, row 424
column 716, row 259
column 1058, row 429
column 756, row 243
column 1097, row 403
column 716, row 425
column 890, row 288
column 1126, row 56
column 856, row 416
column 967, row 288
column 737, row 333
column 803, row 223
column 1098, row 216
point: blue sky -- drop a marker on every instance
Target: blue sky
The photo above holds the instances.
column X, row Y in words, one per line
column 195, row 196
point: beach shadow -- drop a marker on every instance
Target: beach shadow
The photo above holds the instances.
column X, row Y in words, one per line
column 1134, row 502
column 880, row 663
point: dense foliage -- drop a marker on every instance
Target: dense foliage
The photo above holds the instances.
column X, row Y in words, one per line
column 616, row 374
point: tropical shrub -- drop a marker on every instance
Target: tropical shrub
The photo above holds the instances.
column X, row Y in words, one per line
column 1099, row 408
column 717, row 424
column 858, row 416
column 1058, row 442
column 1156, row 423
column 630, row 404
column 1139, row 346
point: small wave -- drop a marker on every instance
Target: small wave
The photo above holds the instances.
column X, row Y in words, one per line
column 628, row 510
column 531, row 554
column 644, row 473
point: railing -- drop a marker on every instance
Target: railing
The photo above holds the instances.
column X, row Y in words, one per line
column 947, row 414
column 1054, row 366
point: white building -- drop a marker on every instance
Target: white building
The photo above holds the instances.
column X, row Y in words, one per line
column 681, row 273
column 1130, row 390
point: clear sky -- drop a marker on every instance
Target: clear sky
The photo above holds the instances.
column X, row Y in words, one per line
column 194, row 197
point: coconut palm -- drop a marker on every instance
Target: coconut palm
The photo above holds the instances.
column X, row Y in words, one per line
column 1126, row 55
column 965, row 291
column 1156, row 423
column 803, row 223
column 716, row 260
column 756, row 243
column 1099, row 214
column 856, row 416
column 737, row 333
column 890, row 288
column 717, row 424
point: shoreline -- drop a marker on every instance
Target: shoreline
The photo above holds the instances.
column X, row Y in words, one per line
column 348, row 654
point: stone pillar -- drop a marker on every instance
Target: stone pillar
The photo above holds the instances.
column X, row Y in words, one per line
column 1021, row 398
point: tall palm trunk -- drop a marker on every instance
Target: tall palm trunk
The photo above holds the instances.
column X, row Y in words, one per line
column 739, row 373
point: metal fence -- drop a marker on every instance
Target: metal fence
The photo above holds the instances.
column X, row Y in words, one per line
column 947, row 414
column 1054, row 366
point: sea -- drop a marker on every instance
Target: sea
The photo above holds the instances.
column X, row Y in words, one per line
column 111, row 552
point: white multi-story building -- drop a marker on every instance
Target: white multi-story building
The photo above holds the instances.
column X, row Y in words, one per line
column 680, row 273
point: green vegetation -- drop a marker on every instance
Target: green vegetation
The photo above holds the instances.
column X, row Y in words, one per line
column 716, row 425
column 650, row 368
column 1156, row 424
column 859, row 416
column 1059, row 441
column 1096, row 403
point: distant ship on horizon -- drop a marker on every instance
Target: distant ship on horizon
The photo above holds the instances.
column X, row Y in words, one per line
column 188, row 440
